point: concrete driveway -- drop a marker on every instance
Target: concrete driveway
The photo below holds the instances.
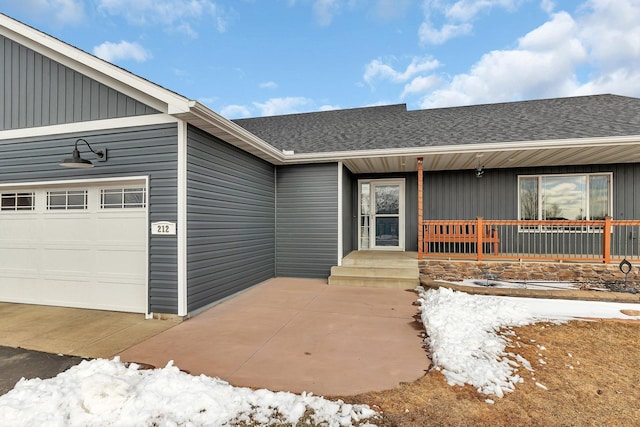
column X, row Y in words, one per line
column 284, row 334
column 298, row 335
column 74, row 331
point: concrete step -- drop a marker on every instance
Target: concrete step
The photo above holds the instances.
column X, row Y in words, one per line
column 374, row 282
column 375, row 261
column 388, row 272
column 388, row 269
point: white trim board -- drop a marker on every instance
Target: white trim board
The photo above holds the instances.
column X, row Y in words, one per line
column 89, row 126
column 63, row 182
column 182, row 218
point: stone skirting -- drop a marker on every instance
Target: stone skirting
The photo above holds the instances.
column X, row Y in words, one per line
column 548, row 271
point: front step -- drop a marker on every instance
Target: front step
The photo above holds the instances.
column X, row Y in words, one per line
column 377, row 269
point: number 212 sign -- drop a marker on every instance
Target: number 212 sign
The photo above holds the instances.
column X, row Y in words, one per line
column 163, row 227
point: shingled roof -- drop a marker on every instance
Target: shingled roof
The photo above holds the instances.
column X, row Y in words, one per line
column 394, row 126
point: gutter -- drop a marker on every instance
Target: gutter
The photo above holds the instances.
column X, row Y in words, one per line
column 462, row 149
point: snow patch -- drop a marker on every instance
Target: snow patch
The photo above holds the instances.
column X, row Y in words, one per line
column 464, row 339
column 109, row 393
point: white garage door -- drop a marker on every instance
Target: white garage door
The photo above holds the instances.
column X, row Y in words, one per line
column 75, row 246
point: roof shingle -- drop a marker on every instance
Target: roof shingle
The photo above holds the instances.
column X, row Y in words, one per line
column 394, row 126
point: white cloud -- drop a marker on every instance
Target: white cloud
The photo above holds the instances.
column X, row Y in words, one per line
column 548, row 6
column 612, row 32
column 121, row 51
column 420, row 84
column 235, row 112
column 454, row 17
column 325, row 10
column 177, row 15
column 329, row 107
column 60, row 11
column 379, row 70
column 287, row 105
column 466, row 10
column 268, row 85
column 597, row 50
column 391, row 9
column 428, row 34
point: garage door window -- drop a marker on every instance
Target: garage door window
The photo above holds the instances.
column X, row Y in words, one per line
column 17, row 202
column 123, row 198
column 67, row 200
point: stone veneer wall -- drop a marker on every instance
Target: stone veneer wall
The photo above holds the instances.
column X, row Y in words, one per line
column 549, row 271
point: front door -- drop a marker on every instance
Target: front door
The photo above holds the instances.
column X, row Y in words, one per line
column 381, row 214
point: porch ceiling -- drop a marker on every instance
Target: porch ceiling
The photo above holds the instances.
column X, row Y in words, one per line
column 559, row 154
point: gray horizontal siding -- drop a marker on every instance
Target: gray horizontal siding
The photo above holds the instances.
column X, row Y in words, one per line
column 230, row 211
column 136, row 151
column 37, row 91
column 306, row 220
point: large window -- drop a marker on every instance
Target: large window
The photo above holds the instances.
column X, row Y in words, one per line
column 568, row 197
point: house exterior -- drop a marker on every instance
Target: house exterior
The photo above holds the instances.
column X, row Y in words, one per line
column 188, row 208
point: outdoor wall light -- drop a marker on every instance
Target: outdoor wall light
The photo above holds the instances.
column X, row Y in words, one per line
column 479, row 169
column 78, row 162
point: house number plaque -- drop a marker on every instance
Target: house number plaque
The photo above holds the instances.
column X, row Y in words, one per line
column 163, row 227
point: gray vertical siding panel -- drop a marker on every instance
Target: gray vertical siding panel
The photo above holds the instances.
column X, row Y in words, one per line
column 231, row 220
column 141, row 151
column 459, row 195
column 348, row 217
column 306, row 220
column 40, row 92
column 411, row 212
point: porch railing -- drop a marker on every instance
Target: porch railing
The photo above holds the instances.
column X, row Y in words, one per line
column 603, row 241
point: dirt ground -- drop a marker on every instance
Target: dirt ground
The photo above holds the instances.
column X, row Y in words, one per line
column 591, row 371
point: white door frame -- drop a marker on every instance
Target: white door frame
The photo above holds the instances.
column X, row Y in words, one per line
column 367, row 234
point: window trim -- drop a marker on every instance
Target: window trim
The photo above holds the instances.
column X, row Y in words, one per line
column 65, row 208
column 539, row 178
column 123, row 204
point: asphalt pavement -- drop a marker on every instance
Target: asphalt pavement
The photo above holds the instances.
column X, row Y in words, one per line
column 17, row 363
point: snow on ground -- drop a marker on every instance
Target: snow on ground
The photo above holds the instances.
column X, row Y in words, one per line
column 531, row 284
column 467, row 336
column 465, row 340
column 109, row 393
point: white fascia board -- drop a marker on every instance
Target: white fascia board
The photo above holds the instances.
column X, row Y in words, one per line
column 207, row 114
column 81, row 181
column 118, row 78
column 88, row 126
column 461, row 149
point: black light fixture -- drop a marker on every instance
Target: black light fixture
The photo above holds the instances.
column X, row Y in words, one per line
column 479, row 169
column 78, row 162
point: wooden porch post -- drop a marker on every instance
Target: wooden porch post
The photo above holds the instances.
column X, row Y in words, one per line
column 606, row 240
column 479, row 236
column 420, row 207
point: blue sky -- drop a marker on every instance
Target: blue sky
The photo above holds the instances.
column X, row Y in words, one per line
column 247, row 58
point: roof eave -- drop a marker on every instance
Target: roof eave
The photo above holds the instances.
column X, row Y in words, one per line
column 467, row 148
column 205, row 118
